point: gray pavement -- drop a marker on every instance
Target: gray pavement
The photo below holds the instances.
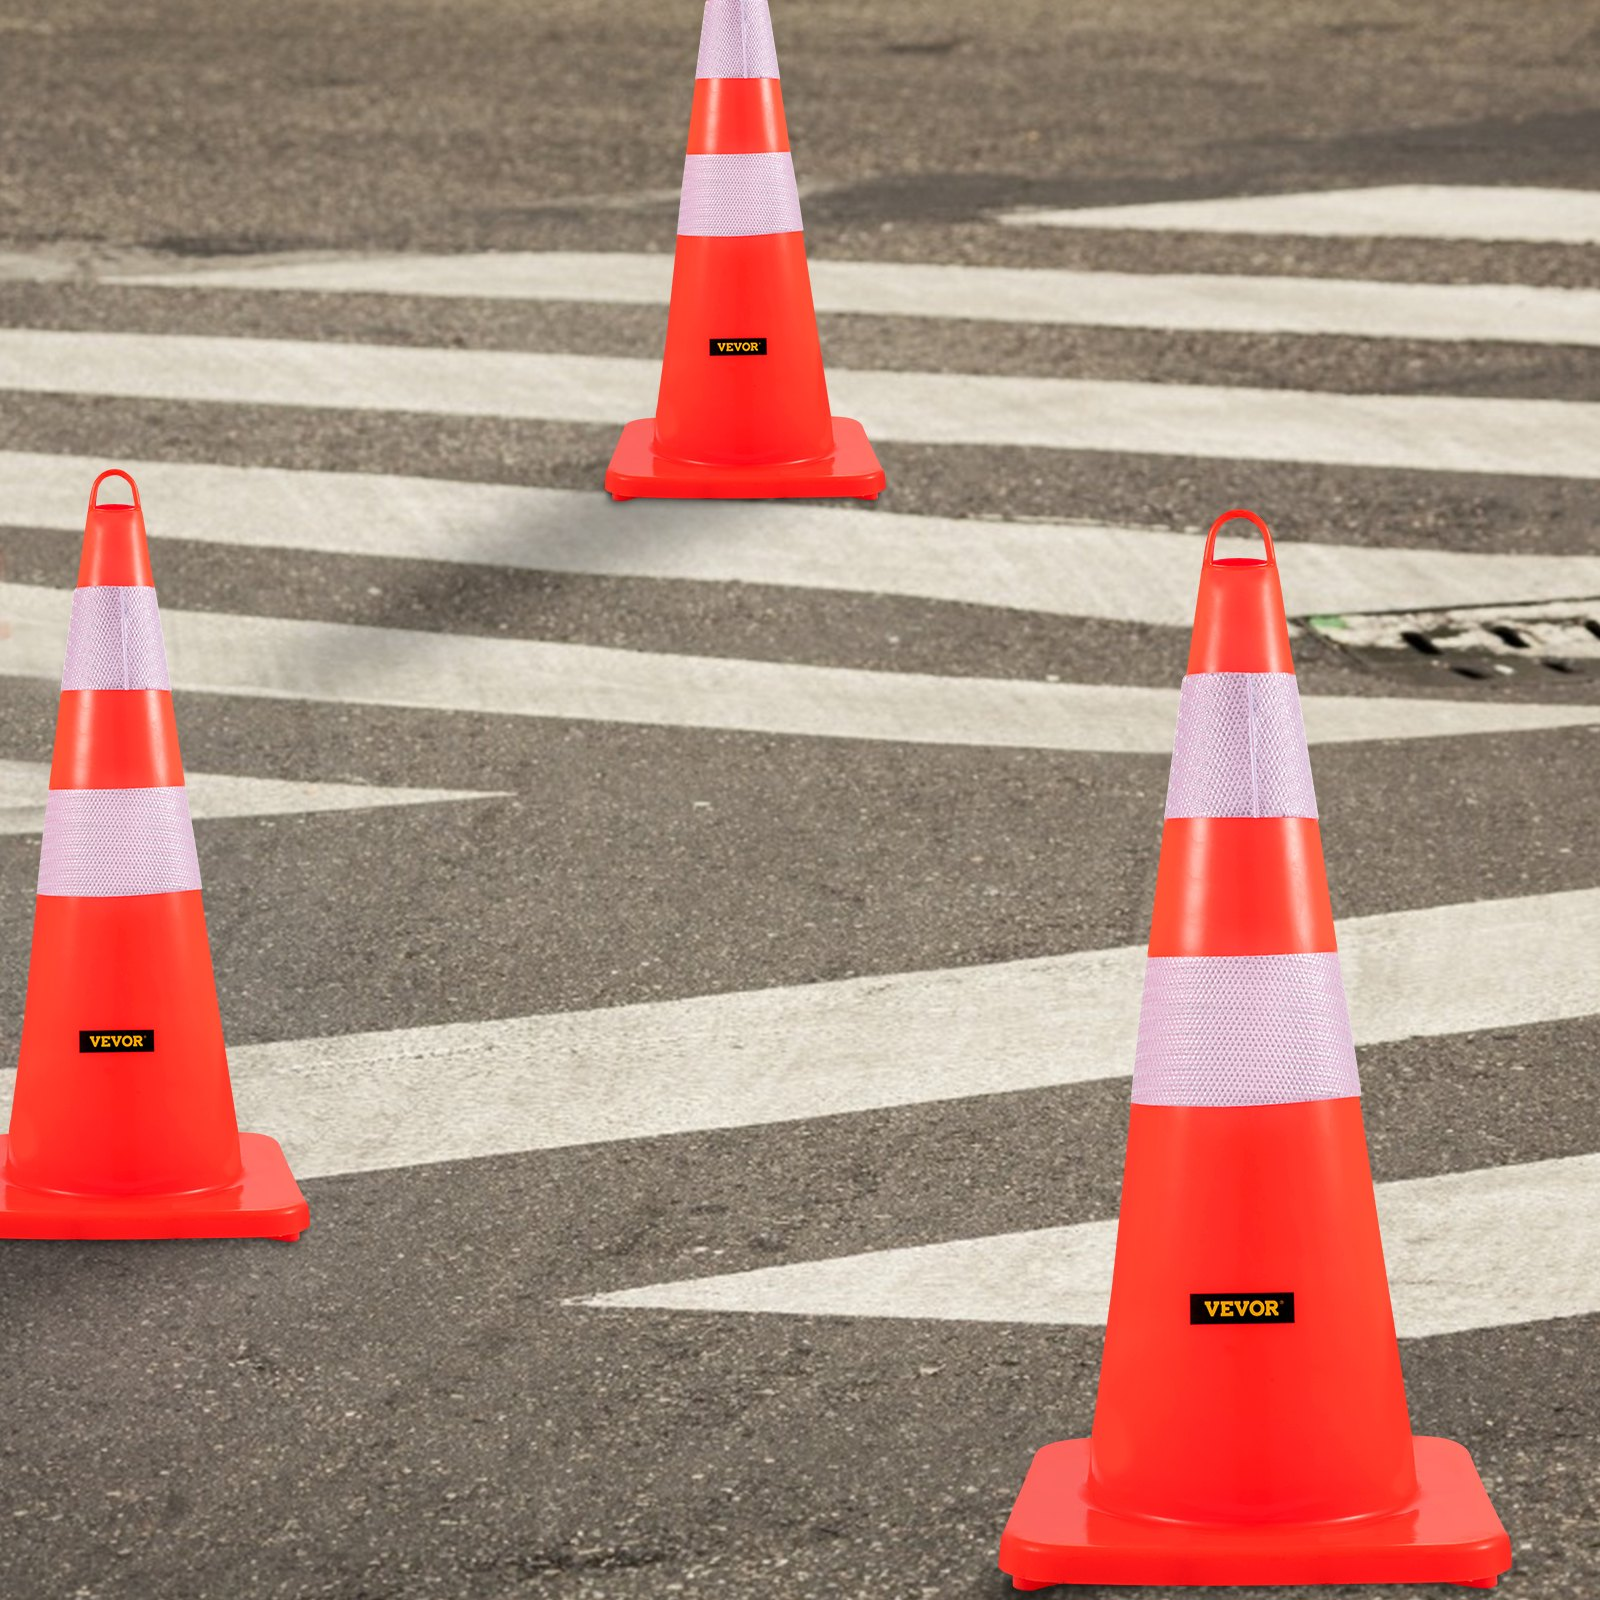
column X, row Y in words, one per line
column 404, row 1404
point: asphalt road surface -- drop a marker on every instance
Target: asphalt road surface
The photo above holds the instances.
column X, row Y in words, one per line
column 665, row 938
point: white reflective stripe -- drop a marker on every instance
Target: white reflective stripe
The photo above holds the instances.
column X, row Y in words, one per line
column 736, row 41
column 1240, row 749
column 114, row 640
column 102, row 842
column 1243, row 1031
column 739, row 196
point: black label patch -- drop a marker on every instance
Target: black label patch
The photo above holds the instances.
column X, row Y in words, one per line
column 1222, row 1309
column 738, row 347
column 115, row 1041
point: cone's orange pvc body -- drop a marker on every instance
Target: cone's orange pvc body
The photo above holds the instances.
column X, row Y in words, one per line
column 1252, row 1203
column 122, row 1123
column 751, row 411
column 1251, row 1424
column 743, row 408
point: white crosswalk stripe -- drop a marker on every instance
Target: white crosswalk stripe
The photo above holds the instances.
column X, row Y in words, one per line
column 834, row 1049
column 1395, row 211
column 1069, row 569
column 1198, row 302
column 1429, row 433
column 347, row 664
column 1460, row 1249
column 753, row 1058
column 1458, row 1242
column 215, row 795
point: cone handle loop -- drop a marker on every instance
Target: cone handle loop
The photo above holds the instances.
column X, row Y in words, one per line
column 1210, row 558
column 113, row 472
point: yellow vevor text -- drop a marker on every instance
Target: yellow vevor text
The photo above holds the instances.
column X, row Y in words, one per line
column 1241, row 1308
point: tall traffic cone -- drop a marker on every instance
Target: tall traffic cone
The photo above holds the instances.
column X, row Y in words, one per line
column 1251, row 1425
column 122, row 1125
column 743, row 408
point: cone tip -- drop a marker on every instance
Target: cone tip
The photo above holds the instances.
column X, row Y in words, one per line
column 1239, row 514
column 1239, row 620
column 115, row 550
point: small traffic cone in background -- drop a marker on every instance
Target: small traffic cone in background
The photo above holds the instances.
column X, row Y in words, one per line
column 122, row 1125
column 1251, row 1425
column 743, row 408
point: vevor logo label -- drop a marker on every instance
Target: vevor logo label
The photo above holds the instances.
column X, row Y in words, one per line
column 1257, row 1306
column 738, row 347
column 115, row 1041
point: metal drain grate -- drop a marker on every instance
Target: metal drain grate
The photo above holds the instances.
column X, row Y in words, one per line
column 1554, row 636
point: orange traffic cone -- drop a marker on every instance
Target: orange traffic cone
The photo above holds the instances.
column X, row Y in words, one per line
column 1251, row 1425
column 123, row 1125
column 743, row 409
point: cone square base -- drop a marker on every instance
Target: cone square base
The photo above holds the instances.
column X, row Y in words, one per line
column 265, row 1204
column 1448, row 1534
column 637, row 472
